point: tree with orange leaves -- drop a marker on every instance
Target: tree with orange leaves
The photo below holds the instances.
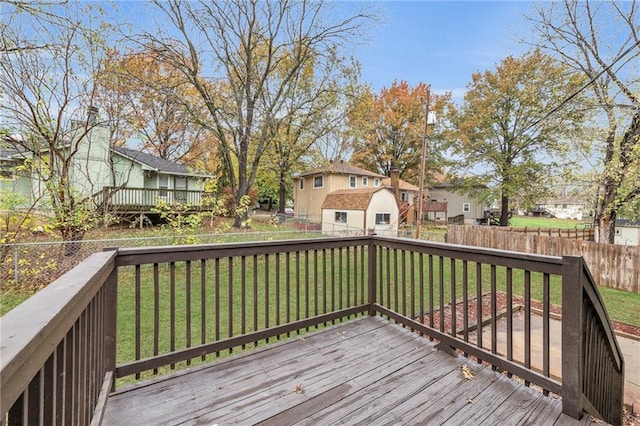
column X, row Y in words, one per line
column 388, row 129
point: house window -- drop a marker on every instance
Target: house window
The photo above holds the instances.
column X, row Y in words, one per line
column 318, row 182
column 301, row 185
column 404, row 196
column 352, row 181
column 383, row 218
column 376, row 182
column 163, row 185
column 365, row 181
column 341, row 217
column 466, row 207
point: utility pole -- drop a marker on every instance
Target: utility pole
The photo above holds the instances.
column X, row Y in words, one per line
column 423, row 159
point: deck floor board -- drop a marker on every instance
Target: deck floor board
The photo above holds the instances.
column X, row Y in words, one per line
column 366, row 371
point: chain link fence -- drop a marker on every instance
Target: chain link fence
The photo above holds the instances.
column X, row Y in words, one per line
column 29, row 266
column 34, row 265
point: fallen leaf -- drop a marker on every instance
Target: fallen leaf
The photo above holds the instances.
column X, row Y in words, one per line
column 467, row 372
column 298, row 389
column 471, row 401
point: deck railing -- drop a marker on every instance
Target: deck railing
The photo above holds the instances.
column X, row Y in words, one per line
column 146, row 198
column 178, row 306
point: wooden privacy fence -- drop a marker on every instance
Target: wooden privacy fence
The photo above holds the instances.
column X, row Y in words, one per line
column 613, row 266
column 587, row 234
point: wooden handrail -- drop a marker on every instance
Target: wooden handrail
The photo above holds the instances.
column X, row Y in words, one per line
column 282, row 287
column 37, row 332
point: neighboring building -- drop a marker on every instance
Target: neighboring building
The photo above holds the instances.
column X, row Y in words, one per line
column 627, row 233
column 407, row 195
column 310, row 188
column 121, row 178
column 565, row 208
column 360, row 209
column 459, row 202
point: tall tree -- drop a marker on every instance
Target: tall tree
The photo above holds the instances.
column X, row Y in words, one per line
column 579, row 34
column 388, row 129
column 147, row 96
column 503, row 126
column 245, row 60
column 47, row 92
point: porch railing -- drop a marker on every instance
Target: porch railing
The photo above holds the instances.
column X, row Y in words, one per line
column 179, row 306
column 141, row 198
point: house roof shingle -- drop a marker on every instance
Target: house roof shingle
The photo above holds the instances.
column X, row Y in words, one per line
column 350, row 199
column 342, row 168
column 156, row 163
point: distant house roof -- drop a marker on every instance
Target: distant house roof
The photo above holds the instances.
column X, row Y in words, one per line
column 628, row 223
column 157, row 164
column 340, row 168
column 350, row 199
column 404, row 185
column 456, row 184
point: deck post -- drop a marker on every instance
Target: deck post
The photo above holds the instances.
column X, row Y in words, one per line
column 111, row 313
column 371, row 275
column 572, row 336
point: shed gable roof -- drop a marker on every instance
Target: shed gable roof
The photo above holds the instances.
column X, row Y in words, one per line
column 350, row 199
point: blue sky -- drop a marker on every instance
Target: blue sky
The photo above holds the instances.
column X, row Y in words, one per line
column 437, row 42
column 441, row 42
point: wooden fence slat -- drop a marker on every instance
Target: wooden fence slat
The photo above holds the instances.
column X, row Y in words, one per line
column 612, row 266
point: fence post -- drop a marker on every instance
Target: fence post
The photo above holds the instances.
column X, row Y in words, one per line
column 371, row 278
column 572, row 336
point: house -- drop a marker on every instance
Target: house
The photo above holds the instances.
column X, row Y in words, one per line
column 373, row 209
column 310, row 188
column 627, row 232
column 564, row 207
column 406, row 193
column 459, row 202
column 121, row 178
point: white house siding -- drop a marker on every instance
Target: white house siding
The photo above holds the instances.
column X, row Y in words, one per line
column 627, row 235
column 382, row 202
column 354, row 224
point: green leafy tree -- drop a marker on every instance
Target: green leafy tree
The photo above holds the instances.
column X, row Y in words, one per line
column 504, row 127
column 578, row 34
column 246, row 60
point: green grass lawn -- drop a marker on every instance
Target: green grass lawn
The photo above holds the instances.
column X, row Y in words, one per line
column 546, row 222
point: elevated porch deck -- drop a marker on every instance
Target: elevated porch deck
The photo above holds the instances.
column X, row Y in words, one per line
column 365, row 371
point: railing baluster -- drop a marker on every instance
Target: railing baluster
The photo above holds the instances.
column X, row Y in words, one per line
column 454, row 305
column 138, row 301
column 255, row 296
column 324, row 282
column 278, row 296
column 403, row 260
column 412, row 269
column 340, row 273
column 315, row 284
column 441, row 292
column 288, row 286
column 479, row 313
column 203, row 303
column 494, row 312
column 509, row 315
column 298, row 284
column 395, row 280
column 188, row 305
column 156, row 311
column 527, row 321
column 421, row 285
column 546, row 302
column 216, row 299
column 266, row 293
column 172, row 309
column 230, row 299
column 388, row 280
column 355, row 275
column 243, row 300
column 465, row 301
column 431, row 290
column 348, row 275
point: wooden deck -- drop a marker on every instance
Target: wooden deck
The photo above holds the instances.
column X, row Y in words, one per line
column 366, row 371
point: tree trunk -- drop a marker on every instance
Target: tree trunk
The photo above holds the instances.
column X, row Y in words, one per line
column 282, row 193
column 504, row 211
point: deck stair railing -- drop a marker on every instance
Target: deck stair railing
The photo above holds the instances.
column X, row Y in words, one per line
column 178, row 306
column 114, row 198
